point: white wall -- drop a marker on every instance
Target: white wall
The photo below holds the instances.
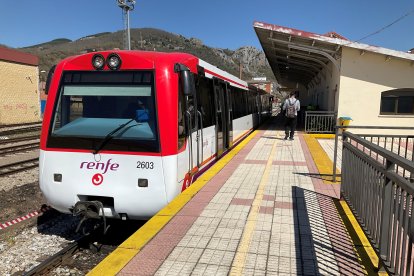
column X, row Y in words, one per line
column 363, row 77
column 323, row 90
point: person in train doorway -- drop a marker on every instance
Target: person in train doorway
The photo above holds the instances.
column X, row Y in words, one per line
column 291, row 107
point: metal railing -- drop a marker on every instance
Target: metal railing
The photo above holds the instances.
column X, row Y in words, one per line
column 320, row 121
column 377, row 184
column 401, row 145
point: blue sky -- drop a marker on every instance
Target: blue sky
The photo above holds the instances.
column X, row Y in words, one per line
column 224, row 24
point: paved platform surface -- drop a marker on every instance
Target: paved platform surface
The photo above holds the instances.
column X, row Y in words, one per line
column 268, row 211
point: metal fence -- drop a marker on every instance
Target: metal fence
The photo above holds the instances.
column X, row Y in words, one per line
column 377, row 184
column 320, row 121
column 401, row 145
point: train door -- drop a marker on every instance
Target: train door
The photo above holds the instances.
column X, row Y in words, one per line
column 229, row 118
column 259, row 107
column 195, row 132
column 223, row 116
column 195, row 126
column 188, row 124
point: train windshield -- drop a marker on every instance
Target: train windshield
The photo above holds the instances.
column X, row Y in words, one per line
column 94, row 106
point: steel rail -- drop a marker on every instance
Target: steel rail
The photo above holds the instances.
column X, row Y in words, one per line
column 18, row 148
column 58, row 258
column 65, row 253
column 19, row 130
column 22, row 166
column 19, row 139
column 19, row 125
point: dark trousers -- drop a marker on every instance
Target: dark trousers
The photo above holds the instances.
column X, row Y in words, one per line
column 290, row 125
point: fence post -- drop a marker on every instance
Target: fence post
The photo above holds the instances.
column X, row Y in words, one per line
column 306, row 121
column 387, row 196
column 335, row 154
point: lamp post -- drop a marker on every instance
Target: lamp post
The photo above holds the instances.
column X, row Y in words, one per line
column 41, row 75
column 126, row 6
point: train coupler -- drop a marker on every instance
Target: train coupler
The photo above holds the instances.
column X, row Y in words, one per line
column 87, row 210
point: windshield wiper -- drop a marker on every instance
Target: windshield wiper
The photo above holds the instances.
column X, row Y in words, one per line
column 109, row 136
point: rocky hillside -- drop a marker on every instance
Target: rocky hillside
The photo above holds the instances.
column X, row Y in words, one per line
column 253, row 60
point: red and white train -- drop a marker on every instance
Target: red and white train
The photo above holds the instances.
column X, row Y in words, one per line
column 124, row 132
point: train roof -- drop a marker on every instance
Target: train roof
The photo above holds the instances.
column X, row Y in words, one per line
column 185, row 58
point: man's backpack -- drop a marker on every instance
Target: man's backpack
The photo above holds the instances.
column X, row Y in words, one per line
column 291, row 109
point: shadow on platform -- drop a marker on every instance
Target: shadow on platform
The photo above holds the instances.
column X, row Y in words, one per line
column 322, row 243
column 327, row 177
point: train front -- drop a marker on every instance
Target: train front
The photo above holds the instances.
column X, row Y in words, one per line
column 100, row 146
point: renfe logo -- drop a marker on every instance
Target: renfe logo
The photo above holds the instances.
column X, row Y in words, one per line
column 100, row 166
column 97, row 179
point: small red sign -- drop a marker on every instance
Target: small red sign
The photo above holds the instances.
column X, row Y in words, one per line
column 97, row 179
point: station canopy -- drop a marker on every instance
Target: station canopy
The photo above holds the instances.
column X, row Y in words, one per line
column 297, row 56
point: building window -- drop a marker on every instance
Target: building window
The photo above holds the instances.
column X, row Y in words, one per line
column 397, row 102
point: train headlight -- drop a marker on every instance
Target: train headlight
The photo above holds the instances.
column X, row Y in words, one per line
column 98, row 61
column 113, row 61
column 57, row 177
column 142, row 182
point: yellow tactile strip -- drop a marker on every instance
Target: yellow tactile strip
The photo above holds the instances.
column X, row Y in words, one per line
column 321, row 159
column 363, row 247
column 120, row 257
column 365, row 251
column 323, row 136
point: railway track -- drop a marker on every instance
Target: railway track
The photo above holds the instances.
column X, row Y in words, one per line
column 15, row 131
column 18, row 166
column 92, row 247
column 19, row 148
column 19, row 139
column 59, row 258
column 65, row 254
column 18, row 126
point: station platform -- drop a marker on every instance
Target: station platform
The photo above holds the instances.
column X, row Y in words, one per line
column 268, row 207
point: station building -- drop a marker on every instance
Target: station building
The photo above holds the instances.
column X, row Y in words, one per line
column 19, row 87
column 373, row 86
column 262, row 83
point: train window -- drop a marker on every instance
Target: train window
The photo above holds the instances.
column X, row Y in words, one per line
column 205, row 101
column 90, row 107
column 245, row 103
column 239, row 102
column 247, row 100
column 191, row 112
column 181, row 115
column 253, row 104
column 233, row 103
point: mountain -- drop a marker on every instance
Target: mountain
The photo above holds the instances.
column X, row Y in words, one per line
column 253, row 60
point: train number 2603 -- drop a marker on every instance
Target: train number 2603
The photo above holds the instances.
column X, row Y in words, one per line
column 145, row 165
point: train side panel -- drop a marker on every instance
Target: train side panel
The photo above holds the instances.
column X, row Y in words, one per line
column 241, row 126
column 205, row 157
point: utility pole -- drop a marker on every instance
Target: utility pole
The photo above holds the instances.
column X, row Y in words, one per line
column 240, row 69
column 126, row 6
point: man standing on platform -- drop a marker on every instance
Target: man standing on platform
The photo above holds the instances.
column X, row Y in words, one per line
column 291, row 107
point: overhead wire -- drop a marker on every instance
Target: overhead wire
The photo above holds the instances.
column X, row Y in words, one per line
column 387, row 26
column 383, row 28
